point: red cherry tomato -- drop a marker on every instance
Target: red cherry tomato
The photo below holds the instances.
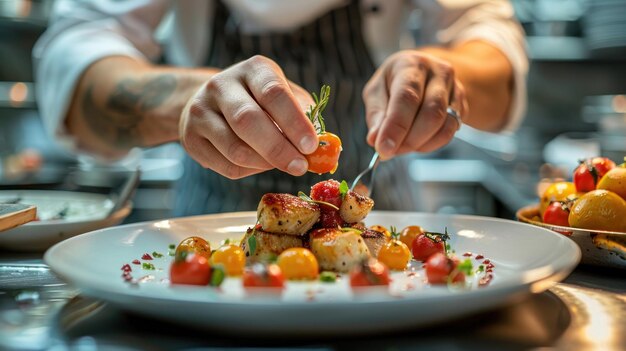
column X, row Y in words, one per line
column 425, row 245
column 190, row 269
column 439, row 267
column 326, row 157
column 260, row 275
column 370, row 272
column 328, row 191
column 557, row 213
column 590, row 171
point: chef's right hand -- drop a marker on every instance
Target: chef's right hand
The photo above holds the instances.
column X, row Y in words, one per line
column 248, row 119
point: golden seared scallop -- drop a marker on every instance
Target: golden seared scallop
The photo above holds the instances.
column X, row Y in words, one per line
column 268, row 244
column 337, row 250
column 355, row 207
column 286, row 214
column 374, row 239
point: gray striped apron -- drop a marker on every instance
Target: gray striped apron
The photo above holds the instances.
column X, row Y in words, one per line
column 330, row 51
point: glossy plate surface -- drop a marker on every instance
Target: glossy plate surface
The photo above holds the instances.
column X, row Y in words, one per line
column 81, row 213
column 599, row 247
column 527, row 259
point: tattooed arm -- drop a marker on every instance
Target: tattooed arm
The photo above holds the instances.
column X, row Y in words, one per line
column 240, row 121
column 122, row 103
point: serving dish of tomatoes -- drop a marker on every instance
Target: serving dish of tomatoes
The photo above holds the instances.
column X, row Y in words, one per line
column 590, row 209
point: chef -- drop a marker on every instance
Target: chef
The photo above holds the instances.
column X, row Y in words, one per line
column 230, row 81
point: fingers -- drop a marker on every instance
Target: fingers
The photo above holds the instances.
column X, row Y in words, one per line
column 406, row 93
column 375, row 97
column 431, row 119
column 201, row 150
column 213, row 127
column 272, row 91
column 255, row 128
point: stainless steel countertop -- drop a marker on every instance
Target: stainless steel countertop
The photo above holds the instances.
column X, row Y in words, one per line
column 37, row 311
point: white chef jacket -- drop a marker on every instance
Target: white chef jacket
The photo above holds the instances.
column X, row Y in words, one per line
column 82, row 32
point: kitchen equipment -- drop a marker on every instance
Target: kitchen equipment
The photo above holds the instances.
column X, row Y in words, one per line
column 13, row 215
column 62, row 214
column 364, row 182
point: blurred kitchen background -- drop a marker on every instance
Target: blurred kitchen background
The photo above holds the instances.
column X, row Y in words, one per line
column 575, row 109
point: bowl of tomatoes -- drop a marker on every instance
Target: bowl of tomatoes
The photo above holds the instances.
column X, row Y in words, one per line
column 590, row 209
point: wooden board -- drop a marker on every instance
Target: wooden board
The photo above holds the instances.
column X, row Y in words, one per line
column 13, row 215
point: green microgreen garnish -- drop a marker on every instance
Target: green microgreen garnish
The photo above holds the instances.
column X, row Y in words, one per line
column 252, row 244
column 307, row 198
column 328, row 277
column 172, row 246
column 350, row 229
column 148, row 266
column 217, row 275
column 466, row 267
column 315, row 111
column 480, row 269
column 343, row 189
column 225, row 242
column 156, row 254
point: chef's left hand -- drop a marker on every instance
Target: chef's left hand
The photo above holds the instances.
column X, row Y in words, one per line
column 406, row 102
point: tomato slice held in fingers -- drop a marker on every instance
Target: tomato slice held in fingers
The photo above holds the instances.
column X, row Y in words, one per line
column 325, row 158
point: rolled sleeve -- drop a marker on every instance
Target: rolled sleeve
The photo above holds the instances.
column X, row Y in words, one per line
column 81, row 34
column 454, row 21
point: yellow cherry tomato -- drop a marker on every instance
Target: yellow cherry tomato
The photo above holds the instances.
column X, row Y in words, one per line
column 231, row 257
column 381, row 229
column 408, row 234
column 194, row 244
column 395, row 255
column 558, row 191
column 298, row 264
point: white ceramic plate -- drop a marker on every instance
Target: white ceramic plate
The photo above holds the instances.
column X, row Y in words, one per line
column 527, row 259
column 84, row 212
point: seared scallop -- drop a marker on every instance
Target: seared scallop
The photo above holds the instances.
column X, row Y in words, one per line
column 337, row 250
column 268, row 244
column 373, row 238
column 286, row 214
column 355, row 207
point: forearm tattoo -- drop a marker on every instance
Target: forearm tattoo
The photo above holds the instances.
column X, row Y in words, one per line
column 118, row 121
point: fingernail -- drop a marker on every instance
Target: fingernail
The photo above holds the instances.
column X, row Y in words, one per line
column 308, row 144
column 298, row 166
column 387, row 147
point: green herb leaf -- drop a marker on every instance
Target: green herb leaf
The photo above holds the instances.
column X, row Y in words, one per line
column 480, row 269
column 172, row 247
column 225, row 242
column 350, row 229
column 252, row 244
column 328, row 277
column 307, row 198
column 217, row 275
column 466, row 267
column 148, row 266
column 343, row 189
column 157, row 254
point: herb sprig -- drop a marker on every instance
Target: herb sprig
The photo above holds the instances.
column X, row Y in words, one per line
column 315, row 111
column 307, row 198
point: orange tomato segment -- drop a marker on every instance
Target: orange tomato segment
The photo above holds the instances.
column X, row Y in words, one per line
column 325, row 158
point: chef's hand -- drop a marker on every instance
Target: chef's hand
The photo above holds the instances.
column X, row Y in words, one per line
column 248, row 119
column 406, row 101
